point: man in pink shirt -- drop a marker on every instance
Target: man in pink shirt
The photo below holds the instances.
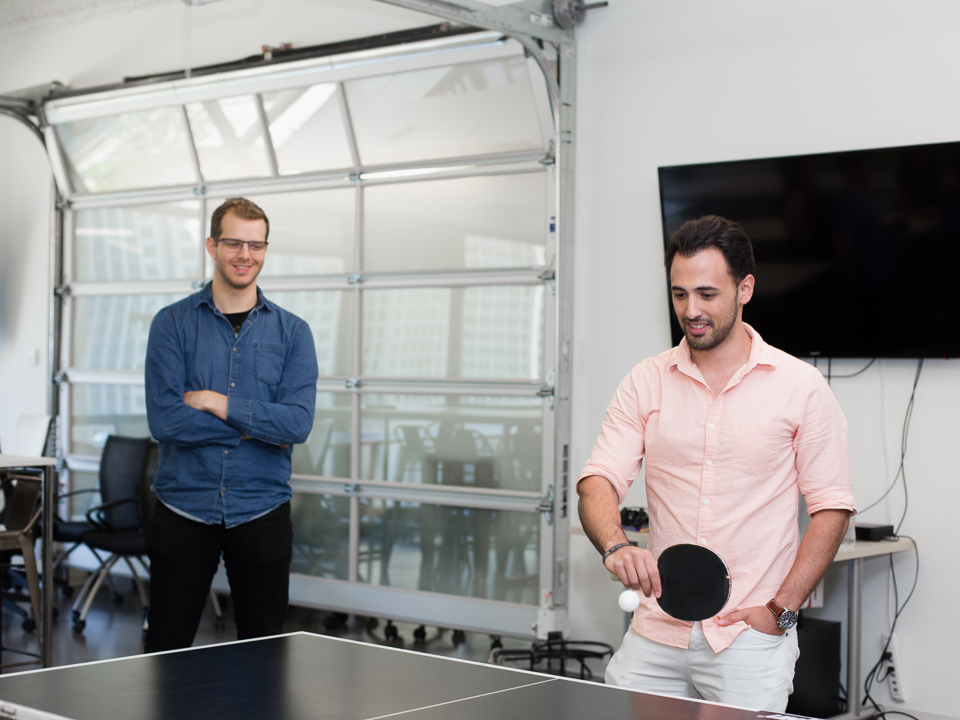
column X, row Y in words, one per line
column 731, row 429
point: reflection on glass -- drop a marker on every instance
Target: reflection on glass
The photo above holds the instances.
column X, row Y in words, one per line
column 102, row 410
column 329, row 313
column 406, row 332
column 311, row 233
column 111, row 331
column 141, row 242
column 454, row 111
column 81, row 502
column 466, row 223
column 490, row 554
column 228, row 138
column 489, row 442
column 321, row 535
column 478, row 332
column 307, row 130
column 147, row 148
column 327, row 451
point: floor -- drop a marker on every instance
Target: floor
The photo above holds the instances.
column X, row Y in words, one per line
column 114, row 630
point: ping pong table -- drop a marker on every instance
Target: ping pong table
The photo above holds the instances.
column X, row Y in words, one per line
column 302, row 675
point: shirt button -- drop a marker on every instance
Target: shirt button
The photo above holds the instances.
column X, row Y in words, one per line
column 702, row 541
column 709, row 463
column 711, row 425
column 233, row 384
column 226, row 452
column 235, row 350
column 706, row 502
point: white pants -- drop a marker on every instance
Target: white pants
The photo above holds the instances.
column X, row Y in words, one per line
column 755, row 672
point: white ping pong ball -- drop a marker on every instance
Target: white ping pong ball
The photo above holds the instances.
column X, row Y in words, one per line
column 629, row 601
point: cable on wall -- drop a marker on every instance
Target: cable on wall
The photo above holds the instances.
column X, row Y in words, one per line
column 904, row 434
column 879, row 713
column 885, row 655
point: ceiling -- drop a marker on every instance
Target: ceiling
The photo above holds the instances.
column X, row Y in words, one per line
column 23, row 14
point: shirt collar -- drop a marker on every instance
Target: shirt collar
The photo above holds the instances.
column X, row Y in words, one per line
column 205, row 296
column 760, row 354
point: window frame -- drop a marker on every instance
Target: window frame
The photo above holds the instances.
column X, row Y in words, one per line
column 495, row 616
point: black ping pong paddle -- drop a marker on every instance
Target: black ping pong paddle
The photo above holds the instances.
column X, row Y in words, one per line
column 694, row 581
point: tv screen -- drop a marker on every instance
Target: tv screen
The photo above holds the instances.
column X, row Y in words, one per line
column 858, row 253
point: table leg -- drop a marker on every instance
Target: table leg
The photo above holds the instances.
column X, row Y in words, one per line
column 46, row 601
column 854, row 616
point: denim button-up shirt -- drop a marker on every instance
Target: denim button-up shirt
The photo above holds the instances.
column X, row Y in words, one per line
column 269, row 374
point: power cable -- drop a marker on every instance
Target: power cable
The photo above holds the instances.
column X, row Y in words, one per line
column 879, row 712
column 903, row 452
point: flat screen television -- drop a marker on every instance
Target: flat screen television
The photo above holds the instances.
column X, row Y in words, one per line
column 858, row 253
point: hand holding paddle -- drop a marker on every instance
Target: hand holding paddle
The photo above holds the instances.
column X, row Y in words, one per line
column 693, row 583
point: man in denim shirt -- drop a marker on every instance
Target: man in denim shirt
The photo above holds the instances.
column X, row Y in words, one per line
column 231, row 383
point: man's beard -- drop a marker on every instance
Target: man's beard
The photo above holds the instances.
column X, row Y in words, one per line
column 717, row 333
column 222, row 266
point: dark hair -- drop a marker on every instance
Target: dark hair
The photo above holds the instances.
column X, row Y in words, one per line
column 243, row 209
column 713, row 231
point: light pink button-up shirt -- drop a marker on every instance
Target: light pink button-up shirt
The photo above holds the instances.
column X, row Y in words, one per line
column 724, row 471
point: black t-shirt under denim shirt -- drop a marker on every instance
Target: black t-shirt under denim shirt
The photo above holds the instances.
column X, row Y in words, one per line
column 236, row 319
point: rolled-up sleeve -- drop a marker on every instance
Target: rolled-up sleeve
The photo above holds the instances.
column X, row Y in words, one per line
column 618, row 453
column 823, row 452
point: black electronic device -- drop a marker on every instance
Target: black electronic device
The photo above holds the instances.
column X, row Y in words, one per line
column 873, row 533
column 816, row 679
column 853, row 249
column 633, row 518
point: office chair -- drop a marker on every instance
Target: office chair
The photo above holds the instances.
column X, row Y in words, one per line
column 20, row 516
column 33, row 438
column 127, row 469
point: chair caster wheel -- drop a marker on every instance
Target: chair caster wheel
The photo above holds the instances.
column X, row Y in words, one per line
column 420, row 634
column 74, row 615
column 66, row 591
column 495, row 642
column 28, row 625
column 459, row 637
column 335, row 620
column 372, row 623
column 390, row 631
column 79, row 625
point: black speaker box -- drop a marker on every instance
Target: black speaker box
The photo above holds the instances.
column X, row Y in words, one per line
column 816, row 681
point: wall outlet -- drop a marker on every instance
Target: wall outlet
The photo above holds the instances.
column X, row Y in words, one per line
column 893, row 670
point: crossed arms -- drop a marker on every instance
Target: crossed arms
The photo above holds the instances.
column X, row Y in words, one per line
column 203, row 417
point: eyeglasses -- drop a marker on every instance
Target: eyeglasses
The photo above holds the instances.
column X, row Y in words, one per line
column 256, row 246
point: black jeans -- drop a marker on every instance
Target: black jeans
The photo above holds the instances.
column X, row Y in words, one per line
column 184, row 556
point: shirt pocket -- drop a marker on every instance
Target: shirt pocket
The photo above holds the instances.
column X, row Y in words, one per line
column 268, row 362
column 755, row 447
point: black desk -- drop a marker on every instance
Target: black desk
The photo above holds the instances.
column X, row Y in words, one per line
column 311, row 676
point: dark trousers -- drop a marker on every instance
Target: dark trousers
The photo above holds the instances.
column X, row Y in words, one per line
column 184, row 556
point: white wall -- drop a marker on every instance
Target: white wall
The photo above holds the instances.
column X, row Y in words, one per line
column 685, row 82
column 25, row 196
column 659, row 83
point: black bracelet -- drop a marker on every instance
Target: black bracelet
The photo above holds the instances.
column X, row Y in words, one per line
column 614, row 549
